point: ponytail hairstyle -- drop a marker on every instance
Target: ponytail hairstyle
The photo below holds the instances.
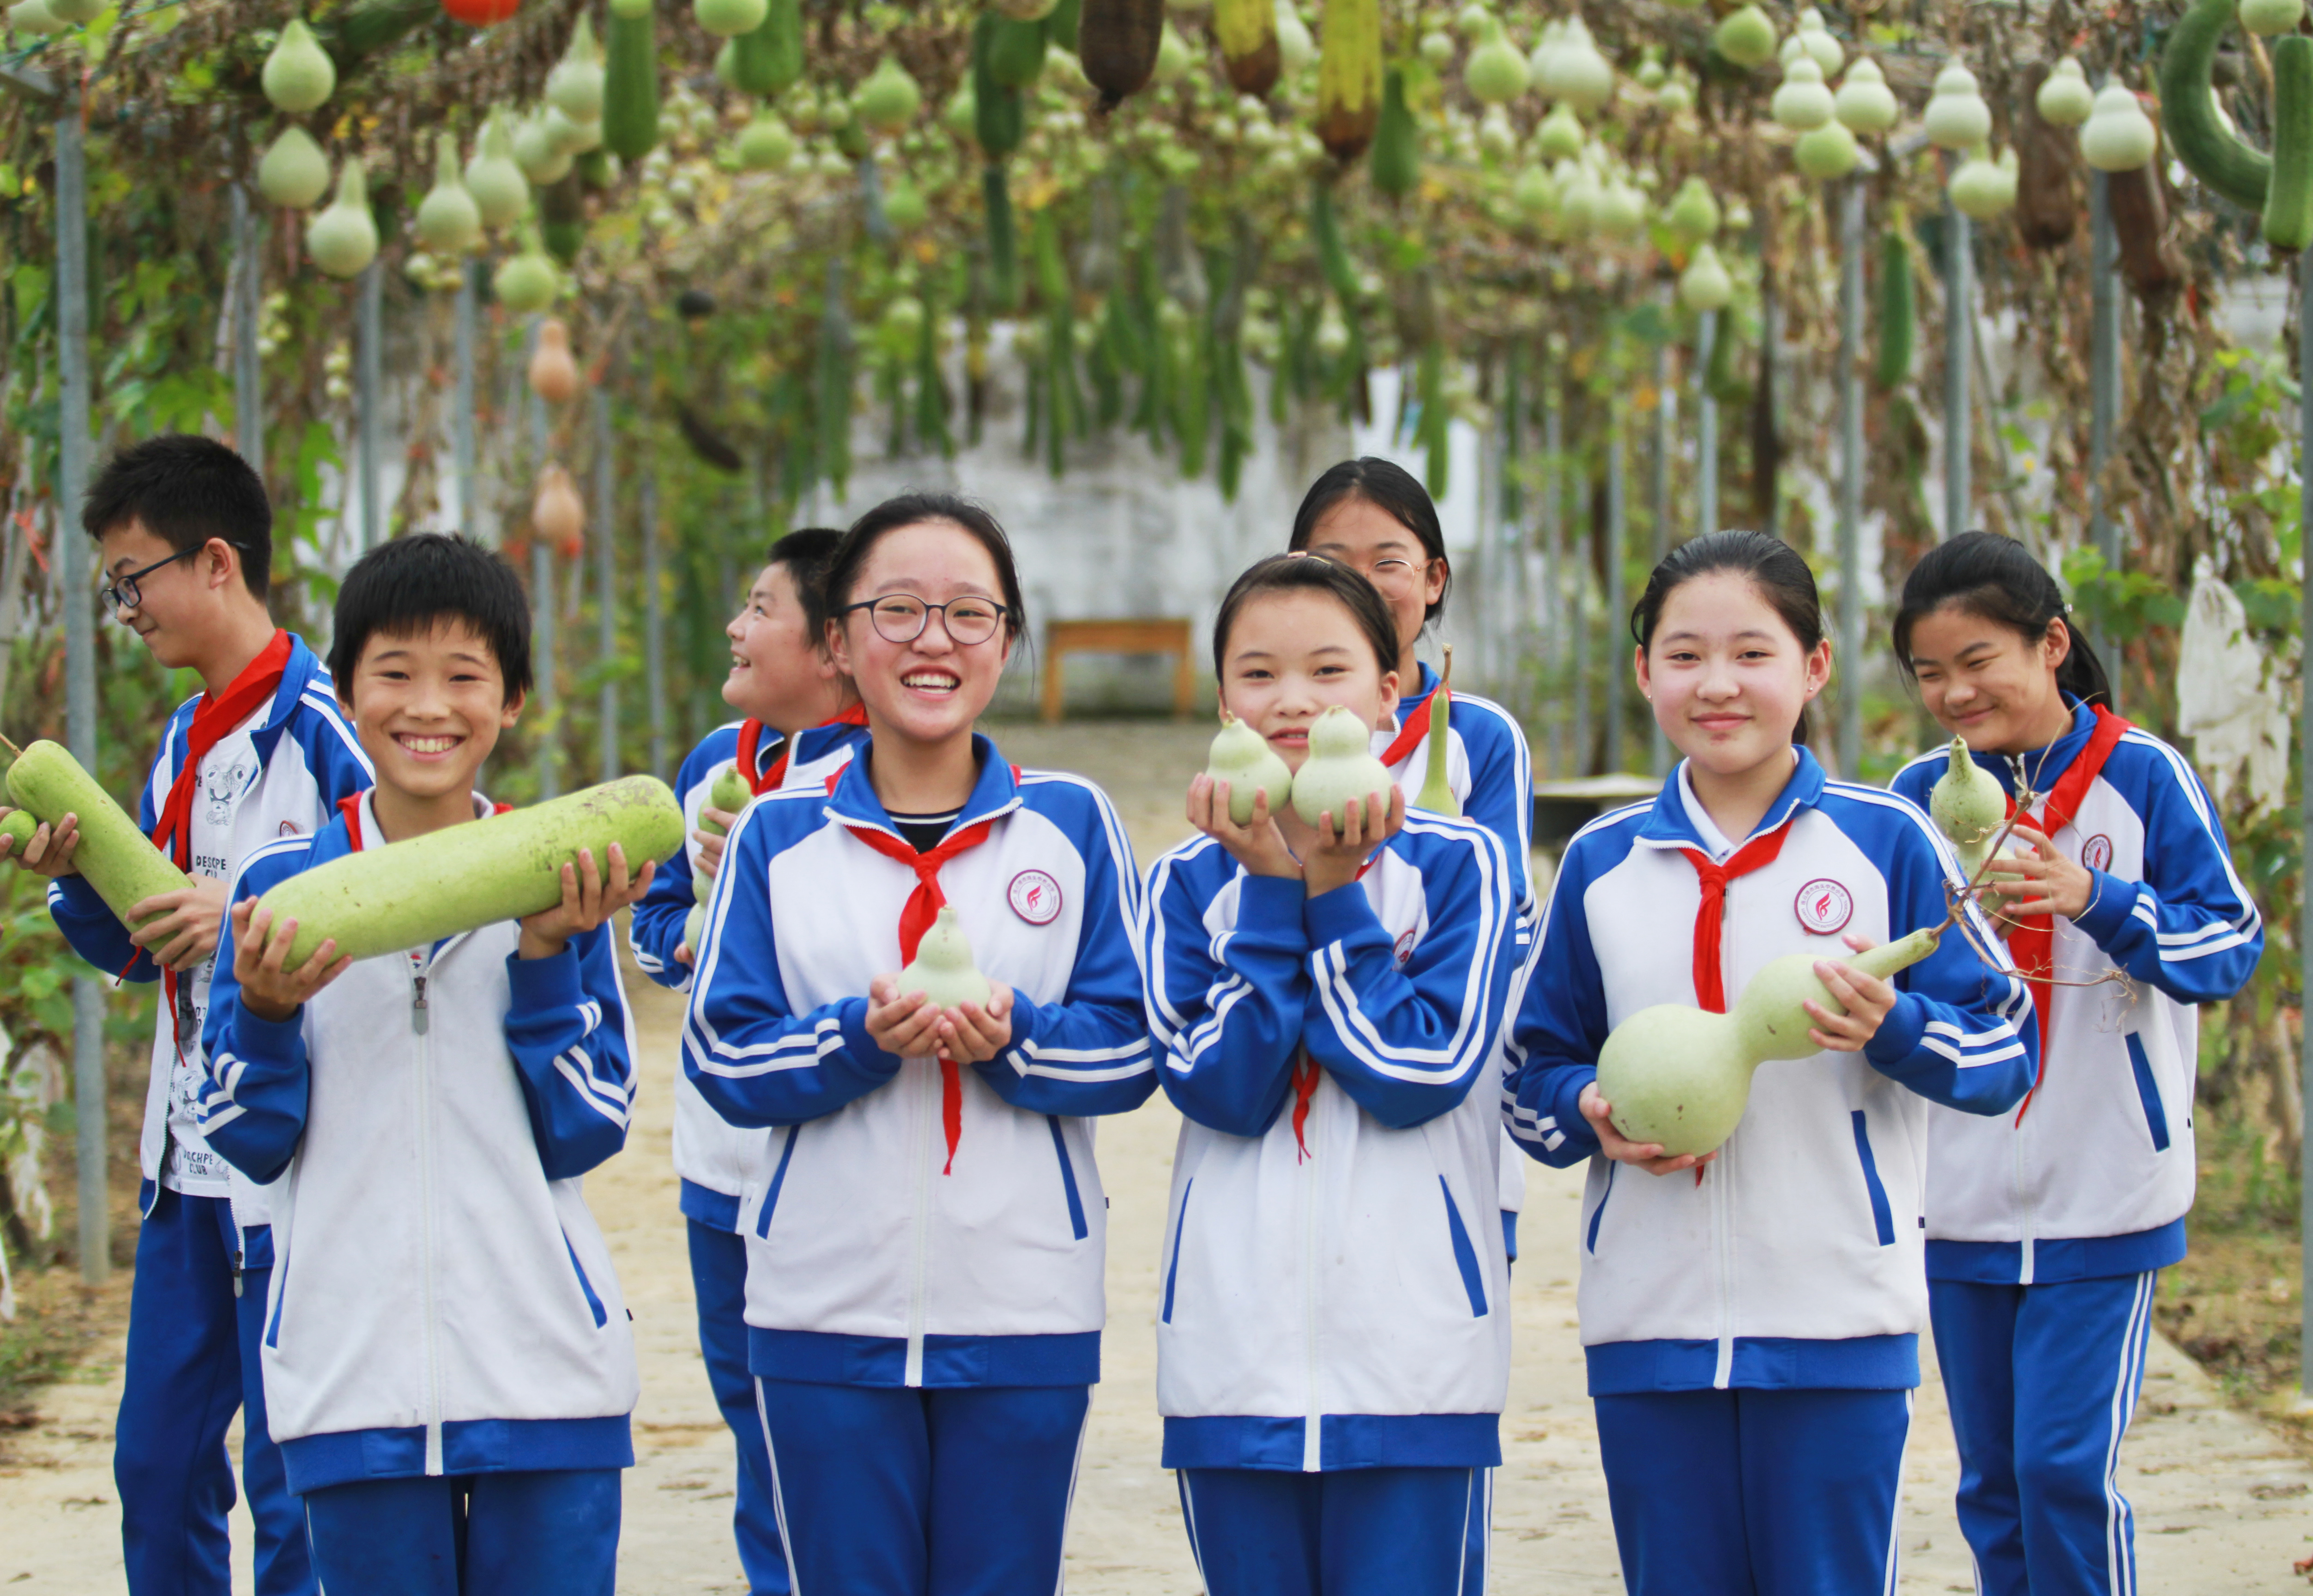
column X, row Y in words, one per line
column 1997, row 579
column 1309, row 573
column 1774, row 567
column 1390, row 488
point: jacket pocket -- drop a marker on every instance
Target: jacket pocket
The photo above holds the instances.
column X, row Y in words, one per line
column 778, row 1179
column 1590, row 1234
column 1882, row 1218
column 1466, row 1256
column 2147, row 1092
column 594, row 1303
column 1179, row 1238
column 1067, row 1180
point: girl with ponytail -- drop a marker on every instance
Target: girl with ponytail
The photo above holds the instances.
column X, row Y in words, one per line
column 2047, row 1227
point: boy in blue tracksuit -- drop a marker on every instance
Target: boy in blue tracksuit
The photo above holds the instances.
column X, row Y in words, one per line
column 262, row 753
column 448, row 1362
column 1333, row 1329
column 802, row 724
column 2047, row 1228
column 925, row 1235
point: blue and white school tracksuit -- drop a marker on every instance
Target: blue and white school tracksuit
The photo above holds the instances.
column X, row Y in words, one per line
column 925, row 1246
column 1751, row 1329
column 1334, row 1333
column 1491, row 775
column 714, row 1159
column 205, row 1250
column 2046, row 1228
column 447, row 1357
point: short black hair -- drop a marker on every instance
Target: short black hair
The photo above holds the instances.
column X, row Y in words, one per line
column 187, row 490
column 1309, row 573
column 408, row 586
column 807, row 552
column 1388, row 487
column 913, row 509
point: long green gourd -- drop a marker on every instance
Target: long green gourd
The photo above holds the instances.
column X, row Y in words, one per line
column 1437, row 794
column 407, row 894
column 2289, row 197
column 2188, row 110
column 631, row 81
column 730, row 793
column 118, row 857
column 1680, row 1076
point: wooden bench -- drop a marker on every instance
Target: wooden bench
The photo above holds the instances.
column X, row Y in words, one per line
column 1064, row 637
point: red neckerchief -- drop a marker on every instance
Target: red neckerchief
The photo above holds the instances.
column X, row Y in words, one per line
column 750, row 742
column 216, row 715
column 1416, row 727
column 350, row 807
column 2032, row 940
column 1306, row 1070
column 916, row 917
column 1710, row 915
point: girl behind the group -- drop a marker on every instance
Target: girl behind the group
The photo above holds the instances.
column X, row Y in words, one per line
column 2047, row 1227
column 925, row 1246
column 1751, row 1320
column 1332, row 1334
column 1374, row 516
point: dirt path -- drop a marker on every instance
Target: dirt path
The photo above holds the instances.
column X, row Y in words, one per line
column 2222, row 1509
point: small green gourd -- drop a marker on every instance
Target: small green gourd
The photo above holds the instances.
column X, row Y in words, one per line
column 1705, row 285
column 1803, row 100
column 343, row 239
column 2065, row 99
column 299, row 74
column 544, row 158
column 409, row 893
column 1242, row 757
column 1865, row 103
column 941, row 969
column 294, row 173
column 18, row 824
column 631, row 81
column 1826, row 152
column 1957, row 118
column 116, row 857
column 694, row 927
column 576, row 87
column 1496, row 73
column 2118, row 137
column 766, row 145
column 1693, row 218
column 1745, row 37
column 729, row 793
column 1968, row 806
column 449, row 222
column 529, row 281
column 1340, row 770
column 1559, row 136
column 727, row 18
column 493, row 177
column 889, row 100
column 1437, row 794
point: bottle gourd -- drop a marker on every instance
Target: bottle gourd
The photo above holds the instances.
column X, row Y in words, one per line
column 1340, row 770
column 1242, row 757
column 1968, row 806
column 941, row 969
column 1437, row 794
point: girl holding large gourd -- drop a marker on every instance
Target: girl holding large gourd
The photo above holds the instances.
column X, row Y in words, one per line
column 925, row 1228
column 1328, row 982
column 1751, row 1311
column 2047, row 1227
column 802, row 723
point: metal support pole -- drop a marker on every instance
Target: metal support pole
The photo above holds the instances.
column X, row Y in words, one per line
column 1618, row 537
column 1578, row 603
column 368, row 382
column 606, row 586
column 654, row 623
column 542, row 617
column 2103, row 366
column 1706, row 426
column 248, row 309
column 1554, row 572
column 2305, row 788
column 1959, row 321
column 461, row 407
column 1851, row 478
column 1658, row 745
column 80, row 653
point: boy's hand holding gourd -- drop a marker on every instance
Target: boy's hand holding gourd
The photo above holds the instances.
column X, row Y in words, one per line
column 587, row 901
column 267, row 991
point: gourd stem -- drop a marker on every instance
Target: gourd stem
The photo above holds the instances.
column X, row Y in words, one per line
column 13, row 752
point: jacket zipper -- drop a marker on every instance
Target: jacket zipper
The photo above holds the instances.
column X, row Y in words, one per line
column 418, row 1022
column 1313, row 1417
column 1722, row 1241
column 927, row 1089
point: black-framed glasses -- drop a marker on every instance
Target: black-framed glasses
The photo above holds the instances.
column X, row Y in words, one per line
column 122, row 594
column 901, row 617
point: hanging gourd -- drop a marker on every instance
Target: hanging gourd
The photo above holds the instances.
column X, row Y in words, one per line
column 575, row 86
column 1810, row 37
column 1559, row 136
column 294, row 173
column 1957, row 118
column 1982, row 188
column 1826, row 153
column 1246, row 31
column 2279, row 185
column 1349, row 77
column 1397, row 165
column 1496, row 73
column 1802, row 101
column 631, row 81
column 493, row 177
column 1891, row 365
column 905, row 207
column 727, row 18
column 889, row 100
column 2288, row 219
column 2065, row 99
column 1705, row 285
column 299, row 74
column 1745, row 38
column 1622, row 210
column 527, row 282
column 2118, row 137
column 1676, row 96
column 2271, row 17
column 1296, row 46
column 543, row 156
column 1117, row 42
column 1242, row 757
column 480, row 14
column 343, row 239
column 557, row 513
column 553, row 372
column 1580, row 197
column 766, row 145
column 34, row 17
column 1577, row 74
column 1693, row 218
column 1865, row 103
column 1534, row 195
column 449, row 222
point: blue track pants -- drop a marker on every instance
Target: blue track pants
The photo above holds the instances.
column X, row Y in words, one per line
column 1347, row 1532
column 2041, row 1382
column 192, row 1364
column 1754, row 1493
column 539, row 1533
column 718, row 1279
column 887, row 1491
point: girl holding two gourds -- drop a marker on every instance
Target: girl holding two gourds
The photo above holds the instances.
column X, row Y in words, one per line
column 2047, row 1227
column 925, row 1233
column 1750, row 1314
column 1326, row 980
